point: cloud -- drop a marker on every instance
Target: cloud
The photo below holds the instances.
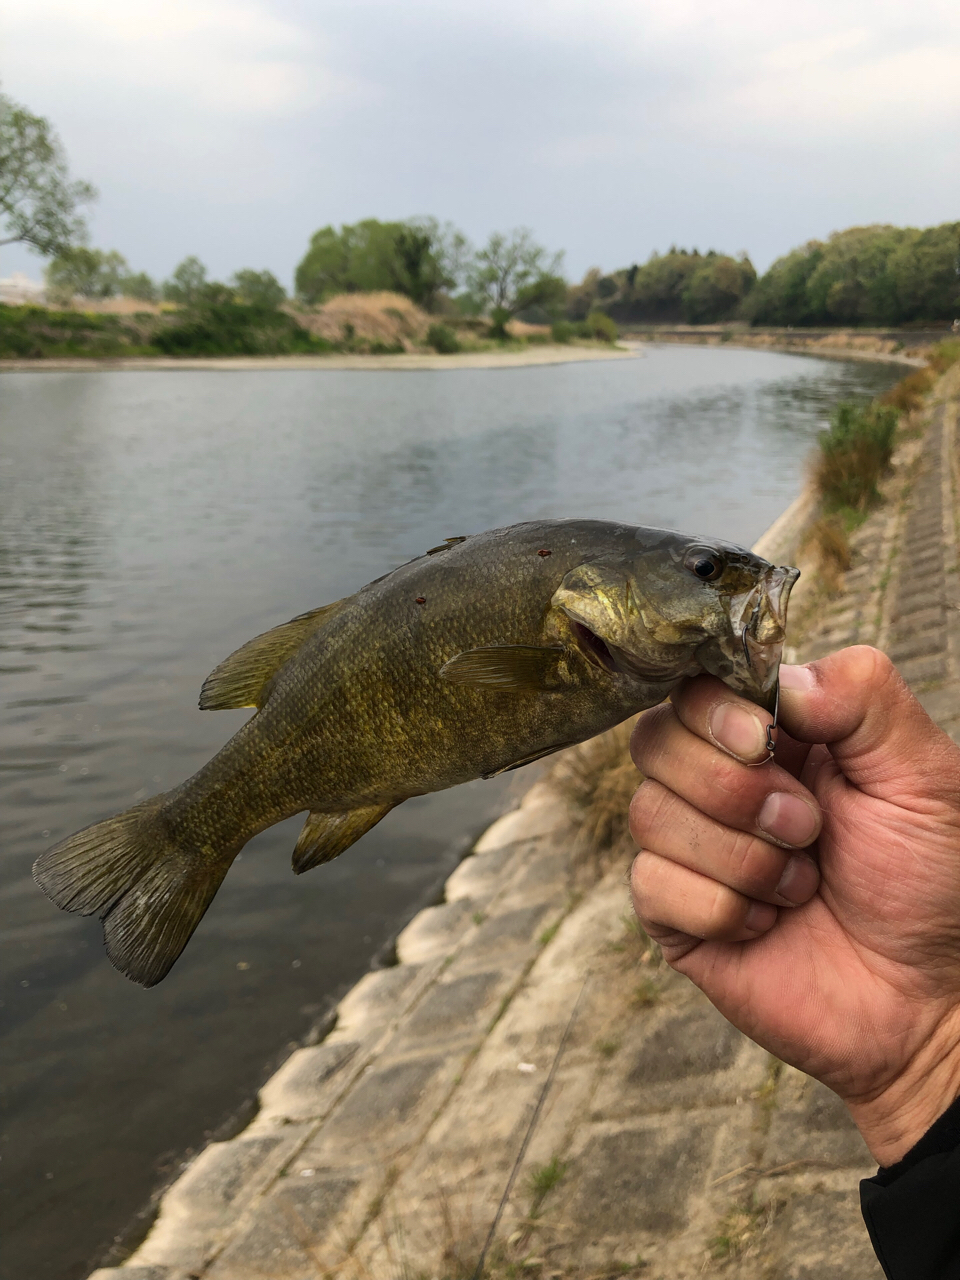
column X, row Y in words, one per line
column 233, row 128
column 222, row 57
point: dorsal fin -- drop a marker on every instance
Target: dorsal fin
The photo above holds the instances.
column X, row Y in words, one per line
column 242, row 680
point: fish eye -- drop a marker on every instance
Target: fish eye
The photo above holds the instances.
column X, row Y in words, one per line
column 707, row 565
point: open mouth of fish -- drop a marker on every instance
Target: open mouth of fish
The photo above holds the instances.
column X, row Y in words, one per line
column 754, row 647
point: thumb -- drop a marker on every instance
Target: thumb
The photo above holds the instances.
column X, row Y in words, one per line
column 884, row 742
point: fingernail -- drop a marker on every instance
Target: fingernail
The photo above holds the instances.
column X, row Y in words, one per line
column 799, row 678
column 788, row 819
column 760, row 916
column 738, row 731
column 799, row 880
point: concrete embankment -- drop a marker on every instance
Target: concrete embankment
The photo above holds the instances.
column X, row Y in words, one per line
column 529, row 1056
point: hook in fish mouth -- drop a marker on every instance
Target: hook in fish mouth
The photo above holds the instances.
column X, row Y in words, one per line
column 771, row 743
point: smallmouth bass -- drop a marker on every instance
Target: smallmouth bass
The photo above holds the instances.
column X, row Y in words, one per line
column 482, row 655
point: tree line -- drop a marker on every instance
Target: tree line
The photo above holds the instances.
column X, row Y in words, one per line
column 874, row 275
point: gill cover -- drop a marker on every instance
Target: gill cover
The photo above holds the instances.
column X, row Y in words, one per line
column 616, row 627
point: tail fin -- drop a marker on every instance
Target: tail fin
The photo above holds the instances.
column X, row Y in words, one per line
column 150, row 894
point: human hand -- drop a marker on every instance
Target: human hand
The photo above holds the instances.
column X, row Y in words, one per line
column 859, row 984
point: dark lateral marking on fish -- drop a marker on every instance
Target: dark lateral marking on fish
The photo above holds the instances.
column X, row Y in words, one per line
column 421, row 600
column 544, row 552
column 523, row 668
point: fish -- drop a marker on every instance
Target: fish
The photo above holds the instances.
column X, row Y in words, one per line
column 484, row 654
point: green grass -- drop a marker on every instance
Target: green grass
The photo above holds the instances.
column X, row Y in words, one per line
column 543, row 1178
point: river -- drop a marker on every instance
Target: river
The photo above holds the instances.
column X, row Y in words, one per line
column 151, row 522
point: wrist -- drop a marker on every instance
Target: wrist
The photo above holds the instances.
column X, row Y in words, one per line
column 893, row 1121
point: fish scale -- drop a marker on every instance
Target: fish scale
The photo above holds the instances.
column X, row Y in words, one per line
column 483, row 654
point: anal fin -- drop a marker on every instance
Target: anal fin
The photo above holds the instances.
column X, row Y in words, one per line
column 535, row 755
column 326, row 835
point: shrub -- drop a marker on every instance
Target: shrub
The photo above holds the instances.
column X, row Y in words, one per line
column 34, row 333
column 908, row 393
column 230, row 329
column 562, row 331
column 443, row 339
column 601, row 326
column 854, row 453
column 944, row 355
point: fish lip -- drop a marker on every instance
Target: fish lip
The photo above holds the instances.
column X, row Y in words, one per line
column 748, row 658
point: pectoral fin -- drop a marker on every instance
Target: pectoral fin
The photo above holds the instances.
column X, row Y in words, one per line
column 243, row 679
column 521, row 667
column 326, row 835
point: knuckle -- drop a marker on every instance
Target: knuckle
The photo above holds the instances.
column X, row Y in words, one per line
column 647, row 739
column 756, row 867
column 726, row 912
column 646, row 807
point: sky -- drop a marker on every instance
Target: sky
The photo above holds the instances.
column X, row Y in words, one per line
column 233, row 129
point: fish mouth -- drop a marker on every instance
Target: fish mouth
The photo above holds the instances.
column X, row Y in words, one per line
column 747, row 659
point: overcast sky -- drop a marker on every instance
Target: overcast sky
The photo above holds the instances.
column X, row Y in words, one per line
column 232, row 129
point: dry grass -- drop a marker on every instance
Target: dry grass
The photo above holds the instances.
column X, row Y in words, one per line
column 945, row 355
column 387, row 319
column 600, row 778
column 908, row 393
column 827, row 539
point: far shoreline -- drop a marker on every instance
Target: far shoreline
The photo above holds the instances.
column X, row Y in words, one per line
column 409, row 361
column 631, row 346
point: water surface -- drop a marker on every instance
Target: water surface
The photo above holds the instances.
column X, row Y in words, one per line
column 152, row 522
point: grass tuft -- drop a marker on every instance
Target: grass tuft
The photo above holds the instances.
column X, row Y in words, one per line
column 600, row 778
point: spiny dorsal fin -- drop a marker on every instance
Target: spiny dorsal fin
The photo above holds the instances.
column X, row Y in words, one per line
column 326, row 835
column 521, row 667
column 242, row 679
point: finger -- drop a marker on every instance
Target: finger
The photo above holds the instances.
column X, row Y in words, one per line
column 878, row 733
column 739, row 728
column 667, row 896
column 662, row 823
column 768, row 802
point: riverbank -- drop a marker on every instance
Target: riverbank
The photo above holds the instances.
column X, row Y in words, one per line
column 907, row 346
column 664, row 1142
column 400, row 362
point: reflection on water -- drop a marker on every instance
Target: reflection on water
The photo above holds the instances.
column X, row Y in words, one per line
column 150, row 523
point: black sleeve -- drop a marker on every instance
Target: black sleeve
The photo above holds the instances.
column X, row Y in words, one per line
column 912, row 1209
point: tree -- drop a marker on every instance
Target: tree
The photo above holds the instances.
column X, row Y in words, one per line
column 39, row 203
column 874, row 275
column 512, row 272
column 418, row 258
column 139, row 285
column 187, row 282
column 715, row 290
column 87, row 273
column 258, row 289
